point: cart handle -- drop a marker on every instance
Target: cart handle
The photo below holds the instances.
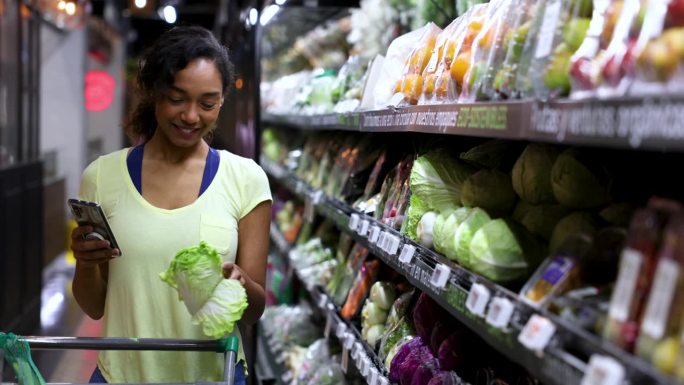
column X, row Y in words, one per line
column 107, row 343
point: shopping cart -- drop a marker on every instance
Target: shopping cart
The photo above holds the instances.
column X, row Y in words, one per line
column 228, row 346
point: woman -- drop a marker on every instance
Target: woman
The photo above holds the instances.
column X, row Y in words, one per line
column 170, row 192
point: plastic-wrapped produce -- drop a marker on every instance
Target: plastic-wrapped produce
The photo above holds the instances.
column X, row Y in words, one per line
column 411, row 347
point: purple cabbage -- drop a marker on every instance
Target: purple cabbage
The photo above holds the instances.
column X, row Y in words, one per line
column 425, row 314
column 425, row 372
column 440, row 332
column 452, row 352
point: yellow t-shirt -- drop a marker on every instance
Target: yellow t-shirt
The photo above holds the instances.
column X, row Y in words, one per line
column 139, row 304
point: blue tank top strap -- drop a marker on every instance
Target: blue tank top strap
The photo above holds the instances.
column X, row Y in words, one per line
column 210, row 169
column 134, row 164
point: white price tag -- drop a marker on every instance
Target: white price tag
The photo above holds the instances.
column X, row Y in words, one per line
column 349, row 340
column 353, row 221
column 537, row 333
column 603, row 370
column 341, row 331
column 477, row 300
column 309, row 209
column 300, row 187
column 365, row 365
column 328, row 325
column 359, row 359
column 407, row 252
column 440, row 276
column 363, row 228
column 374, row 234
column 356, row 350
column 287, row 377
column 344, row 363
column 373, row 376
column 393, row 246
column 383, row 381
column 317, row 197
column 500, row 312
column 382, row 241
column 322, row 301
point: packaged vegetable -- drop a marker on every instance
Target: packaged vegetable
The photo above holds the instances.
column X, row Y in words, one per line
column 409, row 348
column 411, row 82
column 360, row 289
column 383, row 294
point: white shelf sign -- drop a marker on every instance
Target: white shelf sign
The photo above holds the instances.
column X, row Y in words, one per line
column 353, row 221
column 603, row 370
column 317, row 197
column 477, row 300
column 374, row 234
column 382, row 241
column 363, row 228
column 537, row 333
column 373, row 376
column 393, row 245
column 349, row 340
column 440, row 276
column 500, row 312
column 407, row 252
column 341, row 330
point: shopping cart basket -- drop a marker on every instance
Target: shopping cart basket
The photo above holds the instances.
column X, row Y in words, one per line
column 228, row 346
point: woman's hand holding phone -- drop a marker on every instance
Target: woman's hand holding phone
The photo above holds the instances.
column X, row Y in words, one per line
column 91, row 252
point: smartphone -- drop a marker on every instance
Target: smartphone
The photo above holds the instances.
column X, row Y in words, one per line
column 91, row 214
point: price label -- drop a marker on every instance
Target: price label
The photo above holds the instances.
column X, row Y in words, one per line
column 363, row 228
column 353, row 221
column 440, row 276
column 356, row 350
column 603, row 370
column 500, row 312
column 477, row 300
column 373, row 376
column 382, row 241
column 322, row 301
column 329, row 321
column 374, row 234
column 300, row 187
column 393, row 245
column 537, row 333
column 344, row 363
column 309, row 209
column 349, row 340
column 287, row 377
column 407, row 252
column 317, row 197
column 341, row 331
column 383, row 381
column 365, row 365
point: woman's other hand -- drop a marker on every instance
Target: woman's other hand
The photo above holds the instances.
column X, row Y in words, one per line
column 233, row 271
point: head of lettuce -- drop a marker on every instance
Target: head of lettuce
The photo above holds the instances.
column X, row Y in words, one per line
column 214, row 302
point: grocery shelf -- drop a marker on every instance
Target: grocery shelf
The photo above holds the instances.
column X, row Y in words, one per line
column 652, row 124
column 358, row 352
column 549, row 347
column 269, row 368
column 282, row 246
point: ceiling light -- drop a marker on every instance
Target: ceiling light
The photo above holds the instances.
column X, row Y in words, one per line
column 280, row 2
column 70, row 8
column 253, row 16
column 268, row 14
column 170, row 14
column 141, row 3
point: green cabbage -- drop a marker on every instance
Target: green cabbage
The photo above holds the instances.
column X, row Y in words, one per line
column 575, row 223
column 382, row 293
column 436, row 178
column 445, row 237
column 213, row 302
column 464, row 234
column 540, row 220
column 531, row 175
column 497, row 153
column 579, row 181
column 496, row 253
column 490, row 190
column 424, row 231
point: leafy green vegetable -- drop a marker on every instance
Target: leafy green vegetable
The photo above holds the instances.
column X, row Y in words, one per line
column 449, row 230
column 540, row 220
column 490, row 190
column 436, row 178
column 531, row 173
column 212, row 301
column 496, row 253
column 464, row 235
column 438, row 229
column 417, row 207
column 580, row 181
column 496, row 153
column 574, row 223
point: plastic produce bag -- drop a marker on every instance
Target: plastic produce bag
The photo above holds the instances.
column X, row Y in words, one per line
column 360, row 289
column 411, row 82
column 18, row 354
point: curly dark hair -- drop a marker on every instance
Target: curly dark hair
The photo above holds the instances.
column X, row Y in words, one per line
column 159, row 64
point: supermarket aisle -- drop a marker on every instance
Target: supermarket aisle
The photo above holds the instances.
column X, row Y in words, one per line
column 61, row 316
